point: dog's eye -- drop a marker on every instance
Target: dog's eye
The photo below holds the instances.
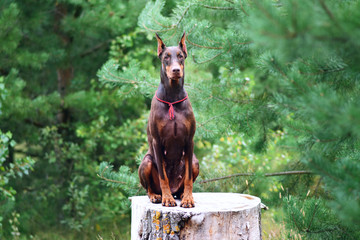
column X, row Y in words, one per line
column 180, row 56
column 167, row 57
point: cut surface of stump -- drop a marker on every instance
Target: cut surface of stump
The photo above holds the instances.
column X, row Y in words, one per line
column 222, row 216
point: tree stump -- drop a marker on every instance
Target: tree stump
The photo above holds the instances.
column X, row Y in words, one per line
column 222, row 216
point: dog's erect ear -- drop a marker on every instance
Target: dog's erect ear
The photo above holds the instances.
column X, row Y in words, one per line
column 182, row 44
column 161, row 45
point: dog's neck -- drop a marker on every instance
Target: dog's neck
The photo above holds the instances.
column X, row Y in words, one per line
column 171, row 92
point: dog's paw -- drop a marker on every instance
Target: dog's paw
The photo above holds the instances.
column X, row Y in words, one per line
column 155, row 198
column 168, row 201
column 187, row 201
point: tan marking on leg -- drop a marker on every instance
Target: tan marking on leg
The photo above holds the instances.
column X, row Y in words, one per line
column 167, row 198
column 187, row 200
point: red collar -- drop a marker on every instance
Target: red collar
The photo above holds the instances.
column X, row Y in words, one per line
column 171, row 108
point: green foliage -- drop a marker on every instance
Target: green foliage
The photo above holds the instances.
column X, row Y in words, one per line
column 20, row 166
column 63, row 122
column 317, row 88
column 131, row 80
column 313, row 219
column 274, row 66
column 274, row 86
column 9, row 219
column 124, row 178
column 75, row 207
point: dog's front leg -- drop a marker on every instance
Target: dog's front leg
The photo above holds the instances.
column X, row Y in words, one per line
column 187, row 200
column 167, row 198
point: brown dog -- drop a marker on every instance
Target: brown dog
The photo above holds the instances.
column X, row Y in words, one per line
column 170, row 167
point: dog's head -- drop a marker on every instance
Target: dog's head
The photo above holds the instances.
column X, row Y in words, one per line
column 172, row 59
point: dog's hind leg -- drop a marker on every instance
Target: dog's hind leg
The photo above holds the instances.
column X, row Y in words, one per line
column 195, row 167
column 149, row 179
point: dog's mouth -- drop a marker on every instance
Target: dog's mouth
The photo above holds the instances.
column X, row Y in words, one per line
column 175, row 78
column 174, row 81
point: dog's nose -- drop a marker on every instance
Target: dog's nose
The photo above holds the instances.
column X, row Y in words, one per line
column 176, row 70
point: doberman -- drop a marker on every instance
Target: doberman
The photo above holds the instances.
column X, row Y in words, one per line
column 170, row 167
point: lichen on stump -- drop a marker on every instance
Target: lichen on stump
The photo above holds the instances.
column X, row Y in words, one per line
column 215, row 216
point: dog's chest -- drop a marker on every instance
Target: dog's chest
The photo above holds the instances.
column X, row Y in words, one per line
column 175, row 130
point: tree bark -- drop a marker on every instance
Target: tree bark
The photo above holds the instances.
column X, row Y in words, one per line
column 215, row 216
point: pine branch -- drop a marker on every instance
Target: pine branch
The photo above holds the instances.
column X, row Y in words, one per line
column 244, row 43
column 107, row 179
column 317, row 185
column 323, row 230
column 217, row 8
column 167, row 27
column 312, row 217
column 183, row 15
column 300, row 172
column 226, row 177
column 328, row 140
column 329, row 13
column 208, row 94
column 243, row 10
column 246, row 186
column 95, row 48
column 211, row 119
column 277, row 67
column 172, row 35
column 330, row 67
column 201, row 46
column 206, row 61
column 267, row 13
column 162, row 25
column 155, row 30
column 127, row 81
column 295, row 222
column 321, row 71
column 133, row 75
column 36, row 124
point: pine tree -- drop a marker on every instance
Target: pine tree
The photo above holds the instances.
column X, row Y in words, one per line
column 305, row 60
column 63, row 122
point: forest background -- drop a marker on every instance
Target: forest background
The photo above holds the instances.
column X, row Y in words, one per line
column 274, row 86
